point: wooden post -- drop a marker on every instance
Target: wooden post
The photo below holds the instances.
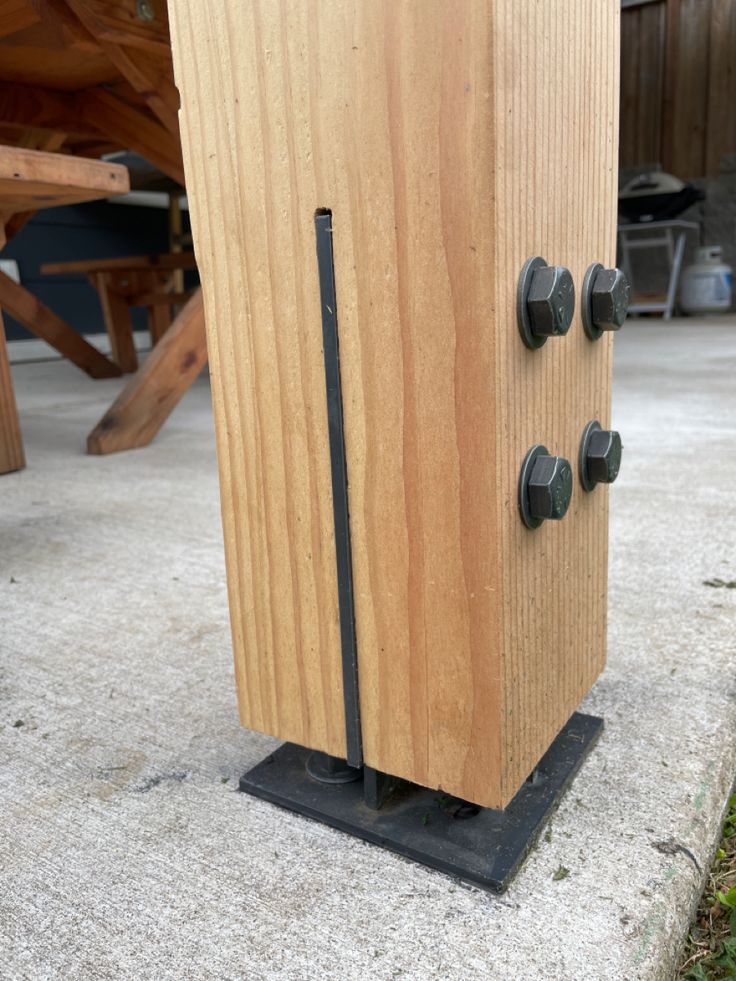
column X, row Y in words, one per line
column 116, row 314
column 159, row 313
column 12, row 456
column 11, row 442
column 450, row 141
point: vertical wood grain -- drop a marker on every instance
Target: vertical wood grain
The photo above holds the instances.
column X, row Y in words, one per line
column 669, row 90
column 556, row 153
column 12, row 456
column 678, row 85
column 250, row 149
column 642, row 83
column 630, row 91
column 650, row 77
column 691, row 89
column 721, row 120
column 417, row 343
column 685, row 111
column 451, row 140
column 118, row 323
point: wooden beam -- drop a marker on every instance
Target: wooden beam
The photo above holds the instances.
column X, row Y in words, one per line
column 130, row 263
column 70, row 33
column 159, row 319
column 129, row 127
column 148, row 71
column 23, row 106
column 116, row 313
column 47, row 325
column 152, row 79
column 16, row 15
column 17, row 223
column 151, row 395
column 47, row 141
column 12, row 456
column 159, row 298
column 118, row 21
column 11, row 442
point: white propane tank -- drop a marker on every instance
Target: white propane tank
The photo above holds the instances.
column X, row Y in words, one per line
column 706, row 285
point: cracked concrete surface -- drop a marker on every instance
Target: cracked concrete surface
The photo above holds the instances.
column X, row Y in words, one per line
column 125, row 850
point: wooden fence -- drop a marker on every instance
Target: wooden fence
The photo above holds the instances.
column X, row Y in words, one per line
column 678, row 84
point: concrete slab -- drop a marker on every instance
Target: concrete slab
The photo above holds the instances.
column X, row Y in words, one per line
column 125, row 851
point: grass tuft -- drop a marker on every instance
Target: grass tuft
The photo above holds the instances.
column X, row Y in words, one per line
column 710, row 951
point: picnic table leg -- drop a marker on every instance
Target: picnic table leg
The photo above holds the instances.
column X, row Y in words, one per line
column 11, row 443
column 118, row 324
column 159, row 321
column 159, row 314
column 152, row 393
column 47, row 325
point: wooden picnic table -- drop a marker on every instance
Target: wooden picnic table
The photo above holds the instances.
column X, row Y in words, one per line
column 131, row 281
column 30, row 180
column 90, row 77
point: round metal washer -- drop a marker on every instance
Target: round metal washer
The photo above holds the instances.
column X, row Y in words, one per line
column 592, row 427
column 327, row 770
column 586, row 308
column 526, row 472
column 531, row 339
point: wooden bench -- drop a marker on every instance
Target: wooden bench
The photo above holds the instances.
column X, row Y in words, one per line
column 30, row 180
column 131, row 281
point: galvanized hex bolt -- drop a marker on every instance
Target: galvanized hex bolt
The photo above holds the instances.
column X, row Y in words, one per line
column 550, row 488
column 144, row 11
column 545, row 301
column 545, row 487
column 605, row 301
column 600, row 456
column 551, row 301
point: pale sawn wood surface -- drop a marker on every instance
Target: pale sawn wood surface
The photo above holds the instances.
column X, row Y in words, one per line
column 451, row 140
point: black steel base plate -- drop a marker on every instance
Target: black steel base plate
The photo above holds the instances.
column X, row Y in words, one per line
column 479, row 845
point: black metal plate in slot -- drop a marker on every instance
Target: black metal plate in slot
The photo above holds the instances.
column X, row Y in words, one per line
column 484, row 848
column 331, row 348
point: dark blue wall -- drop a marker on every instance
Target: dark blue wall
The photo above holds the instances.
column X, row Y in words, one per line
column 83, row 231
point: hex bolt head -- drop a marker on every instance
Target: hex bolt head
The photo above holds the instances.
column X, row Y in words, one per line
column 609, row 299
column 550, row 488
column 605, row 300
column 550, row 302
column 600, row 456
column 604, row 456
